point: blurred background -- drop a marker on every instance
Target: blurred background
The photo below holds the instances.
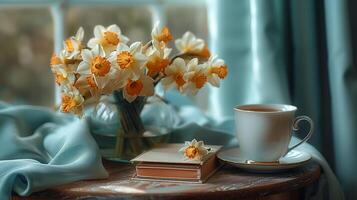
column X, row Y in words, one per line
column 300, row 52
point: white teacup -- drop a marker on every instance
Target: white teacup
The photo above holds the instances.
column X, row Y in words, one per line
column 264, row 130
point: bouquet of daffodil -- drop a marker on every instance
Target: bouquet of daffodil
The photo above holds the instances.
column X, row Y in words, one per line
column 109, row 64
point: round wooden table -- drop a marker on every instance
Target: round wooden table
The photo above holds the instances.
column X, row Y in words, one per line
column 227, row 183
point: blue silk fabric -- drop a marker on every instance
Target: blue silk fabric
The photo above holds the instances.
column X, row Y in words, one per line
column 41, row 149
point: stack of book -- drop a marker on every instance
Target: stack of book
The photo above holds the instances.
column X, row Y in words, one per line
column 166, row 163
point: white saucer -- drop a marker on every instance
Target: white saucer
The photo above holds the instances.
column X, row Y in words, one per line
column 291, row 160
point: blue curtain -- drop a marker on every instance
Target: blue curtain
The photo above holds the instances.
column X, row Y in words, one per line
column 295, row 52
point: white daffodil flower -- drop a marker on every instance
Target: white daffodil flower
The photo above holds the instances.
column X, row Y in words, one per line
column 194, row 150
column 189, row 44
column 158, row 58
column 94, row 62
column 217, row 70
column 95, row 70
column 161, row 34
column 175, row 75
column 108, row 38
column 72, row 100
column 63, row 72
column 73, row 45
column 196, row 77
column 128, row 60
column 143, row 86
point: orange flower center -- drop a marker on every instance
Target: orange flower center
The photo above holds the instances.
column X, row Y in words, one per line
column 133, row 88
column 111, row 38
column 91, row 82
column 204, row 53
column 178, row 77
column 221, row 71
column 55, row 60
column 100, row 66
column 68, row 103
column 125, row 59
column 164, row 36
column 199, row 80
column 59, row 78
column 156, row 65
column 191, row 152
column 68, row 45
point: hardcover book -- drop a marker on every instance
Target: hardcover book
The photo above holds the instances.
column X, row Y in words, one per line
column 166, row 163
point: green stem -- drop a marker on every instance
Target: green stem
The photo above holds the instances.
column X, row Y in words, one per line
column 131, row 123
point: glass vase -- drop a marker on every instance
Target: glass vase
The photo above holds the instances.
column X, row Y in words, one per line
column 123, row 130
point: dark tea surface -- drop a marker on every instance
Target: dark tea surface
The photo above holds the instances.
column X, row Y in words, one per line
column 260, row 109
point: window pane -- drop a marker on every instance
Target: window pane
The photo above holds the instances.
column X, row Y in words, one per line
column 190, row 18
column 26, row 45
column 134, row 21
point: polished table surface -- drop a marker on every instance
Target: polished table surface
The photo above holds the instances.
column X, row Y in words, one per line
column 227, row 183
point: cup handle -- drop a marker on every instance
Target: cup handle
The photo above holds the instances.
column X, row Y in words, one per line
column 296, row 128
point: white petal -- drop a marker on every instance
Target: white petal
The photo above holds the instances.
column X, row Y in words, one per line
column 214, row 80
column 135, row 47
column 192, row 65
column 92, row 42
column 87, row 55
column 140, row 57
column 179, row 45
column 148, row 89
column 197, row 45
column 194, row 142
column 187, row 37
column 80, row 34
column 167, row 52
column 122, row 47
column 218, row 62
column 101, row 51
column 168, row 83
column 179, row 63
column 96, row 50
column 190, row 89
column 124, row 39
column 155, row 30
column 170, row 70
column 183, row 149
column 98, row 31
column 112, row 58
column 83, row 68
column 199, row 144
column 114, row 28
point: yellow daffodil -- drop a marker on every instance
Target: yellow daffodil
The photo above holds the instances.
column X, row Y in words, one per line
column 72, row 100
column 161, row 34
column 191, row 45
column 129, row 61
column 108, row 38
column 194, row 150
column 217, row 70
column 196, row 77
column 73, row 45
column 158, row 59
column 143, row 86
column 175, row 75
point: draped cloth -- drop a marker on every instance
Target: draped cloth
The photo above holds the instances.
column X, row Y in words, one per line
column 41, row 149
column 296, row 52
